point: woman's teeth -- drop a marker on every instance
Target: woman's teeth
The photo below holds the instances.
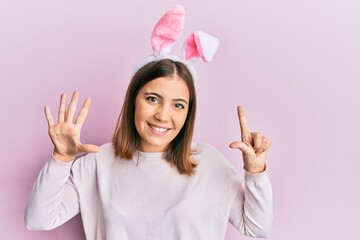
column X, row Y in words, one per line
column 159, row 129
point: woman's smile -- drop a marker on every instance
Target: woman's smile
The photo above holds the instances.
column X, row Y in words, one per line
column 158, row 129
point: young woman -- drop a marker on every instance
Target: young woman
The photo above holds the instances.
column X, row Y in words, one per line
column 152, row 181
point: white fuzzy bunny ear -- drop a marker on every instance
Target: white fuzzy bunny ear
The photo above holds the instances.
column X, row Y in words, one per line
column 167, row 31
column 200, row 44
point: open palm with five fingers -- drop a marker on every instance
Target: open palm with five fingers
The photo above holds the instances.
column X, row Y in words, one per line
column 253, row 146
column 65, row 134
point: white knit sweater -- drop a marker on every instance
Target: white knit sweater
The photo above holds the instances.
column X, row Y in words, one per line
column 146, row 199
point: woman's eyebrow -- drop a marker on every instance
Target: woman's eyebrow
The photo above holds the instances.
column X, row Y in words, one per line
column 180, row 100
column 161, row 97
column 153, row 93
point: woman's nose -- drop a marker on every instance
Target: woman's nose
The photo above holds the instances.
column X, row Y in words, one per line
column 162, row 114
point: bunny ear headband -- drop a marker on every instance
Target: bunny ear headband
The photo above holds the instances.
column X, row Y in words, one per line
column 167, row 32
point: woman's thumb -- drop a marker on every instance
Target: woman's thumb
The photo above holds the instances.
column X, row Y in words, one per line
column 89, row 148
column 240, row 145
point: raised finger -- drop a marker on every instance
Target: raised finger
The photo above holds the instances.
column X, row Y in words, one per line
column 83, row 112
column 49, row 117
column 72, row 107
column 62, row 108
column 245, row 132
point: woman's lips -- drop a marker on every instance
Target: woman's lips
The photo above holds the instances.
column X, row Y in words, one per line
column 157, row 129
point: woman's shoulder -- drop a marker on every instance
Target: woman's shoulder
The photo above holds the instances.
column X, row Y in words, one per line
column 211, row 161
column 106, row 152
column 205, row 148
column 105, row 155
column 205, row 152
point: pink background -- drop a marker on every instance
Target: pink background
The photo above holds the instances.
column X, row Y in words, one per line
column 294, row 66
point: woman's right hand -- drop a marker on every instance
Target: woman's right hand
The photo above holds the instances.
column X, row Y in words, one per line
column 65, row 134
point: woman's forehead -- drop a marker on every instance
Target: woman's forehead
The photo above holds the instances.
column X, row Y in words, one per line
column 171, row 87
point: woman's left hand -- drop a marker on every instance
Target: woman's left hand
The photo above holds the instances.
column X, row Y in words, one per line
column 253, row 146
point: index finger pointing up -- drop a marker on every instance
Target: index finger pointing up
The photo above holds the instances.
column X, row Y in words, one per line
column 244, row 128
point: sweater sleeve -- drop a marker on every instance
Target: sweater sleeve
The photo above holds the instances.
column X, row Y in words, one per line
column 252, row 209
column 54, row 198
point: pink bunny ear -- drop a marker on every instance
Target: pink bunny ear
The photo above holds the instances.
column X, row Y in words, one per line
column 200, row 44
column 168, row 30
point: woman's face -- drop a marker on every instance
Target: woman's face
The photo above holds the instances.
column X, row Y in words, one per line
column 161, row 107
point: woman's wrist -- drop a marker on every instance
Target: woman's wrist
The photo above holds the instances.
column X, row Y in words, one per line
column 63, row 158
column 254, row 170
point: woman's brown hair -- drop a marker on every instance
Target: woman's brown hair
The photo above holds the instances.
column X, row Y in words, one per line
column 126, row 139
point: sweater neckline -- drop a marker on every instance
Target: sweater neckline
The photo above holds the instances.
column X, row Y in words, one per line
column 151, row 156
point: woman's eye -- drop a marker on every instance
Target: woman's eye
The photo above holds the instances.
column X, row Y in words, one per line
column 151, row 99
column 179, row 105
